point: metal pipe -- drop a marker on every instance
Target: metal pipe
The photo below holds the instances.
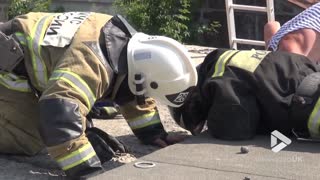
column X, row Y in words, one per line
column 250, row 42
column 248, row 8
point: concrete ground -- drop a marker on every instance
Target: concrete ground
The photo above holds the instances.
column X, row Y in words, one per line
column 199, row 157
column 203, row 157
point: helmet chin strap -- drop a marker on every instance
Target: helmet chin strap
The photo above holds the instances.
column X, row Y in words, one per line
column 140, row 91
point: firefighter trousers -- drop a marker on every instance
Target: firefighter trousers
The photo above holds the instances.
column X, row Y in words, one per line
column 19, row 123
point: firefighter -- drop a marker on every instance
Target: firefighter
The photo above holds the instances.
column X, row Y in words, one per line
column 247, row 92
column 55, row 66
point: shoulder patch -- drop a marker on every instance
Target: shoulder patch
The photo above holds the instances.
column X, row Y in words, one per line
column 248, row 60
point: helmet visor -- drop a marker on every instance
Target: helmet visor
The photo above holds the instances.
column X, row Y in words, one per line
column 179, row 98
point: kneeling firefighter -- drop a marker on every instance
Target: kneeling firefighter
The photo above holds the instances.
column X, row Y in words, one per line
column 72, row 60
column 243, row 93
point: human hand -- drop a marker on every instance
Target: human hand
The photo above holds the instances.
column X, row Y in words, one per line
column 168, row 140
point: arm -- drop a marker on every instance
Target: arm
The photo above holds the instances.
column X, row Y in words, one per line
column 231, row 108
column 234, row 112
column 144, row 120
column 64, row 105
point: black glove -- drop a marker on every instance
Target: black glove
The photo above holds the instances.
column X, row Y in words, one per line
column 105, row 145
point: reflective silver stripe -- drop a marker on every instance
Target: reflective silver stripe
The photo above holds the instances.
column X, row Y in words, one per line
column 13, row 82
column 314, row 120
column 85, row 153
column 77, row 83
column 35, row 40
column 221, row 63
column 144, row 121
column 21, row 38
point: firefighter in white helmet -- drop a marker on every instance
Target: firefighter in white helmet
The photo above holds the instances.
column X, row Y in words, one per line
column 101, row 57
column 163, row 66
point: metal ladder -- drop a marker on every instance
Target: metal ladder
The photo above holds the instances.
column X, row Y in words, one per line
column 230, row 7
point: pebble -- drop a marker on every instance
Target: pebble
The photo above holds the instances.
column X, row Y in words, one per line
column 244, row 149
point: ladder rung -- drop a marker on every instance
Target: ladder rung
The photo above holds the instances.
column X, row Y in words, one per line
column 249, row 42
column 248, row 8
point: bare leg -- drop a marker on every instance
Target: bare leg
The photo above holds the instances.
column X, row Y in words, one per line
column 303, row 41
column 269, row 30
column 314, row 53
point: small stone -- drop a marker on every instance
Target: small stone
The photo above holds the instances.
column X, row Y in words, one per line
column 244, row 149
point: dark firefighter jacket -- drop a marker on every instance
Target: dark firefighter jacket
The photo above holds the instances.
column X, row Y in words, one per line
column 241, row 93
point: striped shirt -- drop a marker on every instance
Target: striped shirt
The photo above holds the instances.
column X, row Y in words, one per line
column 309, row 18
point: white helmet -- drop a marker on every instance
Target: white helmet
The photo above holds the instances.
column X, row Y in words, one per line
column 167, row 71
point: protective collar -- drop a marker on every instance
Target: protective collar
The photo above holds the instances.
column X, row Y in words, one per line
column 117, row 32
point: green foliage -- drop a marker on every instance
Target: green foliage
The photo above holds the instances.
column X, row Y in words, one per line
column 19, row 7
column 171, row 18
column 161, row 17
column 204, row 33
column 209, row 28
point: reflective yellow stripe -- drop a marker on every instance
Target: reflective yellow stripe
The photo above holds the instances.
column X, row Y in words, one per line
column 92, row 154
column 221, row 63
column 74, row 153
column 314, row 120
column 21, row 38
column 248, row 60
column 34, row 43
column 77, row 157
column 110, row 110
column 77, row 83
column 13, row 82
column 144, row 120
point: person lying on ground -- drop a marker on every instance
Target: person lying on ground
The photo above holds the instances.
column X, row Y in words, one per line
column 241, row 93
column 299, row 35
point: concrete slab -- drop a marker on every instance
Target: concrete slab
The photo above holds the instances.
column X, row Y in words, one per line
column 198, row 53
column 39, row 167
column 206, row 158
